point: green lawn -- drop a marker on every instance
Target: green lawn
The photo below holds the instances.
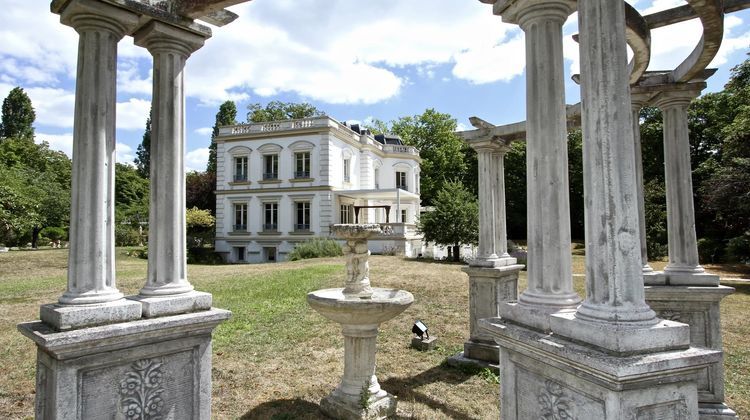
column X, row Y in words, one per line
column 276, row 358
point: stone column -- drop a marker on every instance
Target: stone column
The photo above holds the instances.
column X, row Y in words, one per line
column 684, row 267
column 501, row 227
column 167, row 289
column 486, row 256
column 638, row 101
column 549, row 264
column 91, row 271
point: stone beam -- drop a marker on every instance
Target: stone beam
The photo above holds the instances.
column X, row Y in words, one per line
column 515, row 131
column 686, row 12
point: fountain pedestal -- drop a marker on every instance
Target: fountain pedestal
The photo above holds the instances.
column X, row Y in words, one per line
column 360, row 309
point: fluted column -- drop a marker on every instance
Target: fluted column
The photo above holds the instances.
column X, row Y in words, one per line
column 91, row 270
column 549, row 264
column 684, row 267
column 637, row 102
column 486, row 255
column 167, row 261
column 614, row 279
column 500, row 223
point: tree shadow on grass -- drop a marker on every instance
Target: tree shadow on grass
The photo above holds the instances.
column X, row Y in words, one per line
column 406, row 388
column 285, row 409
column 434, row 261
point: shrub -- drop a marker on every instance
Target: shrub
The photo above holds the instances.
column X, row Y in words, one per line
column 710, row 250
column 206, row 256
column 315, row 248
column 738, row 249
column 126, row 235
column 138, row 253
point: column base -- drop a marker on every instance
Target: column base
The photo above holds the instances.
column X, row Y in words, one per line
column 493, row 262
column 708, row 411
column 546, row 376
column 150, row 368
column 340, row 406
column 536, row 317
column 460, row 359
column 654, row 278
column 68, row 317
column 690, row 278
column 622, row 339
column 155, row 306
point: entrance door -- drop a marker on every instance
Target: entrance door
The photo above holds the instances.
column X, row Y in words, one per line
column 240, row 253
column 270, row 254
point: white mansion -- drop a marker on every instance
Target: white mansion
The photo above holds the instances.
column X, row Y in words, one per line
column 281, row 183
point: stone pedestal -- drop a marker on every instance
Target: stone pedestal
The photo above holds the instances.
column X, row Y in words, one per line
column 699, row 308
column 155, row 368
column 488, row 288
column 359, row 395
column 546, row 376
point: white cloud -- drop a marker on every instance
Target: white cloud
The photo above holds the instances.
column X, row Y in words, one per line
column 196, row 160
column 204, row 131
column 124, row 154
column 131, row 80
column 481, row 65
column 132, row 115
column 53, row 106
column 61, row 142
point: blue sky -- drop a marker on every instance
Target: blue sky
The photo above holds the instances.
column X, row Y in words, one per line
column 354, row 60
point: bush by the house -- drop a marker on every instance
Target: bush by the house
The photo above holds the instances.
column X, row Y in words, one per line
column 738, row 249
column 126, row 235
column 315, row 248
column 205, row 256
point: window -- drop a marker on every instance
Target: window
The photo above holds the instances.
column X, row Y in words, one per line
column 271, row 167
column 270, row 254
column 302, row 222
column 346, row 213
column 270, row 217
column 240, row 252
column 240, row 217
column 240, row 169
column 401, row 180
column 302, row 165
column 377, row 178
column 347, row 164
column 403, row 216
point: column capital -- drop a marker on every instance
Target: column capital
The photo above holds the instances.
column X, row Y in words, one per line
column 522, row 12
column 678, row 94
column 639, row 99
column 89, row 14
column 490, row 144
column 161, row 37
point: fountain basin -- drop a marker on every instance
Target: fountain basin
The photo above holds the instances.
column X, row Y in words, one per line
column 383, row 305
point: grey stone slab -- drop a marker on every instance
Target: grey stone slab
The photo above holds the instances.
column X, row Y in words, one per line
column 155, row 306
column 481, row 351
column 157, row 368
column 622, row 338
column 460, row 359
column 67, row 317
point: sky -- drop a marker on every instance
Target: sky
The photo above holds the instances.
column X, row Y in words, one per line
column 354, row 60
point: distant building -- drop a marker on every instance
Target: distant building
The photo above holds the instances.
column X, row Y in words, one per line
column 281, row 183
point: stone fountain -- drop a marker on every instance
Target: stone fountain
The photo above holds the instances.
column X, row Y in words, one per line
column 360, row 309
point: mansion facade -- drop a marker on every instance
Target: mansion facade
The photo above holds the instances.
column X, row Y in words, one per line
column 281, row 183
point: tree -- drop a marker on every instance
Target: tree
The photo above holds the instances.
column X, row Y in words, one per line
column 454, row 220
column 279, row 111
column 199, row 190
column 17, row 116
column 441, row 149
column 143, row 154
column 227, row 115
column 200, row 226
column 131, row 195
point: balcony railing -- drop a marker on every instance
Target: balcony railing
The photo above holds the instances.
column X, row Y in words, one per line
column 240, row 228
column 270, row 227
column 270, row 175
column 302, row 227
column 302, row 174
column 240, row 177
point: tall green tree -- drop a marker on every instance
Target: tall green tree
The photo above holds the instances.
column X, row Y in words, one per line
column 279, row 111
column 441, row 149
column 17, row 116
column 227, row 115
column 199, row 191
column 131, row 195
column 454, row 220
column 143, row 153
